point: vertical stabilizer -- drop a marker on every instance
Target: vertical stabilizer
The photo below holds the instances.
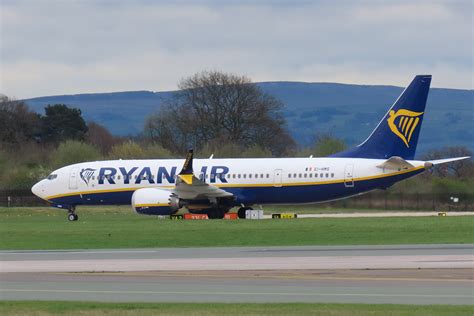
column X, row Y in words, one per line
column 398, row 131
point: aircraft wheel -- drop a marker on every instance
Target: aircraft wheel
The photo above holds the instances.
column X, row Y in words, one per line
column 72, row 217
column 241, row 212
column 216, row 214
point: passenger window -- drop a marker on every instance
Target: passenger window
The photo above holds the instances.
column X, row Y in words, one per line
column 268, row 176
column 300, row 175
column 250, row 175
column 261, row 175
column 305, row 175
column 315, row 175
column 245, row 175
column 321, row 175
column 238, row 176
column 256, row 175
column 332, row 175
column 233, row 176
column 310, row 175
column 327, row 175
column 289, row 175
column 294, row 175
column 118, row 177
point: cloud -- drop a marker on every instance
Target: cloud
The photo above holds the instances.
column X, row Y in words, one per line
column 55, row 47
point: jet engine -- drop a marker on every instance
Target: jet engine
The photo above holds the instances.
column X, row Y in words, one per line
column 150, row 201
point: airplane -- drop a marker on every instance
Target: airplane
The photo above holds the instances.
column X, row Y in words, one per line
column 214, row 186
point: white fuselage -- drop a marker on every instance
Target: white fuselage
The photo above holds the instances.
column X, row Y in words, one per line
column 252, row 181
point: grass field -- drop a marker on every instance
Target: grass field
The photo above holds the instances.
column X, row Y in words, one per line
column 46, row 228
column 85, row 309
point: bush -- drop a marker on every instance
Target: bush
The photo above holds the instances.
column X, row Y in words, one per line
column 127, row 150
column 22, row 177
column 73, row 151
column 156, row 151
column 447, row 187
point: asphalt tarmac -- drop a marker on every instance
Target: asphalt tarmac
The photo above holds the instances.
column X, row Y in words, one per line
column 399, row 274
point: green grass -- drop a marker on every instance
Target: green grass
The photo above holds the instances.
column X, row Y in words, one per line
column 45, row 228
column 87, row 308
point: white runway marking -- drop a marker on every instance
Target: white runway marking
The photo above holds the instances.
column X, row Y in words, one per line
column 237, row 293
column 242, row 263
column 378, row 214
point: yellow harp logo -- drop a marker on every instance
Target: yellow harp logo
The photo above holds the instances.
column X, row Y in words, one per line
column 403, row 123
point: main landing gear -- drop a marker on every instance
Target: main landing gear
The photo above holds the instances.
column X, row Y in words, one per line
column 242, row 210
column 71, row 215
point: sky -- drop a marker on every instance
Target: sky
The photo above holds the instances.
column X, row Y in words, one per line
column 53, row 47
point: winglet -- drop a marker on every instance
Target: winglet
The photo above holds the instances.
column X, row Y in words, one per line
column 186, row 173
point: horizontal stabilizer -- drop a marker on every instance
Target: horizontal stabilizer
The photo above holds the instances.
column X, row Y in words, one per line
column 396, row 163
column 442, row 161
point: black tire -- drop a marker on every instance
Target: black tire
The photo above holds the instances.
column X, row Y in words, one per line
column 216, row 214
column 241, row 212
column 76, row 217
column 72, row 217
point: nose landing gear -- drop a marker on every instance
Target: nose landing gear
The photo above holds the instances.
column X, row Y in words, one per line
column 72, row 216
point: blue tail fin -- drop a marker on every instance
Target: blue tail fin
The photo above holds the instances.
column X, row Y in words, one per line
column 398, row 131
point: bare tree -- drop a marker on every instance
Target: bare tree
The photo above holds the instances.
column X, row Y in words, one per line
column 17, row 123
column 214, row 106
column 100, row 137
column 457, row 169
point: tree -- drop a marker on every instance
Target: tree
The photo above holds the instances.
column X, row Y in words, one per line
column 220, row 107
column 62, row 123
column 17, row 123
column 100, row 137
column 458, row 169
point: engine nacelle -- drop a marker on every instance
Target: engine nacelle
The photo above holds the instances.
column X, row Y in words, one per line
column 150, row 201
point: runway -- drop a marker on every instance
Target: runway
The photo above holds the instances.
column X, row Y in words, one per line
column 414, row 274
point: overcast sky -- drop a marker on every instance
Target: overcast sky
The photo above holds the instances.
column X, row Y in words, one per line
column 65, row 47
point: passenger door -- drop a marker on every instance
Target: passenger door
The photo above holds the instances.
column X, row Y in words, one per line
column 73, row 175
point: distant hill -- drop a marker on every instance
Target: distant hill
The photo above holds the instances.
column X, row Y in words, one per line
column 346, row 111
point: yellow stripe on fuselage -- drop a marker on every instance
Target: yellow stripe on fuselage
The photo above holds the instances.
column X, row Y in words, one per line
column 243, row 185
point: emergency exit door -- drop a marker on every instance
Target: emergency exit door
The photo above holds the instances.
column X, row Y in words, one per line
column 349, row 176
column 277, row 177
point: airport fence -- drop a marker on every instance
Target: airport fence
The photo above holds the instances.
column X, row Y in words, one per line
column 377, row 200
column 20, row 198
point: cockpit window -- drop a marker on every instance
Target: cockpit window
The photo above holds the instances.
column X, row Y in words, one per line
column 52, row 176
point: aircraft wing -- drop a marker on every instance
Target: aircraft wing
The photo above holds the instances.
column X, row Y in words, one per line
column 396, row 163
column 190, row 187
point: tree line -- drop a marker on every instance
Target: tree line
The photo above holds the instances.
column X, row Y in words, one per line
column 213, row 112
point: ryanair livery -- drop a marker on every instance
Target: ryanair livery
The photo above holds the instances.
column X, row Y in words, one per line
column 214, row 186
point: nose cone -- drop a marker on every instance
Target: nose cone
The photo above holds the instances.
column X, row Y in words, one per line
column 38, row 189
